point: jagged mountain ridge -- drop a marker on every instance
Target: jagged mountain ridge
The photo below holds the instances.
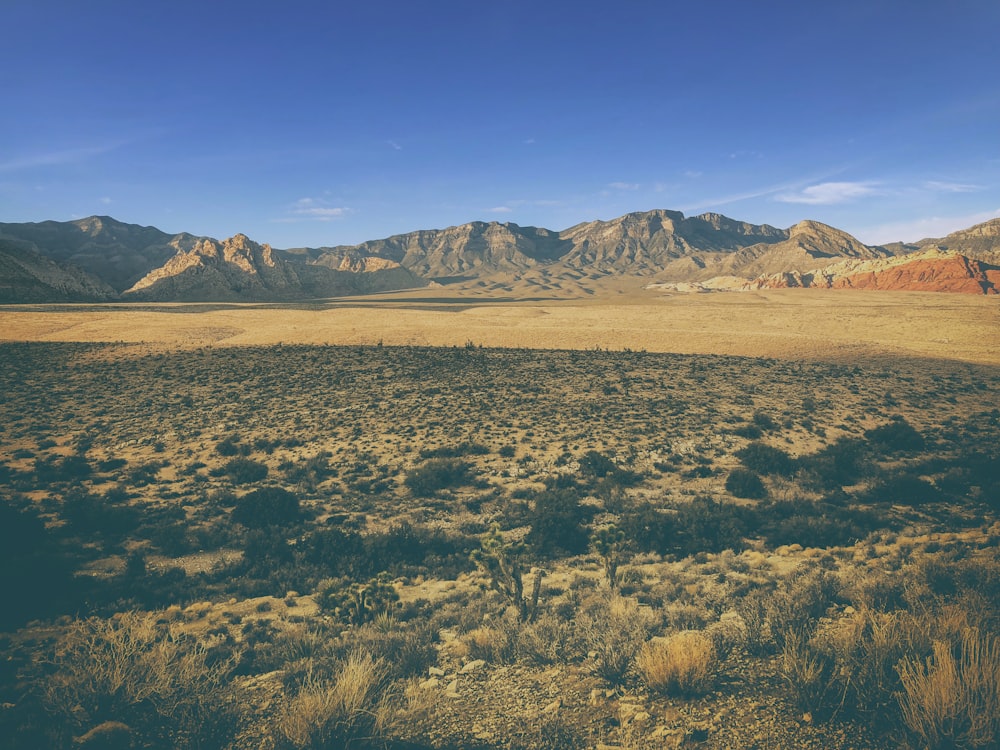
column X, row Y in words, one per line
column 118, row 254
column 27, row 276
column 709, row 251
column 980, row 242
column 239, row 269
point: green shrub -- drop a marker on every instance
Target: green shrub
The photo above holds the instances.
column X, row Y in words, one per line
column 842, row 463
column 357, row 603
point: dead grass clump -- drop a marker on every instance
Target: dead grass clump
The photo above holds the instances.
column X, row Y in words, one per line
column 952, row 699
column 130, row 665
column 335, row 711
column 808, row 666
column 549, row 640
column 683, row 664
column 496, row 642
column 615, row 630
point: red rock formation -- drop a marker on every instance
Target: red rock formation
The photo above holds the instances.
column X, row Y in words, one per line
column 950, row 274
column 924, row 271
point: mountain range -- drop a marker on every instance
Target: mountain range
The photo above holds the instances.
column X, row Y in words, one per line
column 101, row 259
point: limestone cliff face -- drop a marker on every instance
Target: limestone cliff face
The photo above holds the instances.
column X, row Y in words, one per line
column 637, row 244
column 461, row 251
column 237, row 268
column 645, row 243
column 980, row 242
column 240, row 269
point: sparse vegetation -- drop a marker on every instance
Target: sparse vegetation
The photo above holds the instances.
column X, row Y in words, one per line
column 256, row 543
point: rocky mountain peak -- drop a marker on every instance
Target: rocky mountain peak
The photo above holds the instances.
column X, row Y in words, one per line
column 989, row 228
column 824, row 241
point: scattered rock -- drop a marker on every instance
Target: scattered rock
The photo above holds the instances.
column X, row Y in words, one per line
column 111, row 735
column 472, row 666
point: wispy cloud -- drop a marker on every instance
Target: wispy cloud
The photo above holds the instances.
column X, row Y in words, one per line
column 938, row 186
column 312, row 209
column 692, row 173
column 106, row 201
column 828, row 193
column 394, row 145
column 624, row 185
column 500, row 210
column 56, row 158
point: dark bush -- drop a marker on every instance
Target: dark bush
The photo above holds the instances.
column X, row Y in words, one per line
column 35, row 574
column 455, row 451
column 745, row 484
column 649, row 529
column 89, row 514
column 749, row 431
column 764, row 421
column 897, row 436
column 230, row 447
column 73, row 468
column 704, row 525
column 844, row 462
column 438, row 474
column 813, row 524
column 596, row 464
column 245, row 470
column 766, row 459
column 903, row 489
column 268, row 506
column 557, row 523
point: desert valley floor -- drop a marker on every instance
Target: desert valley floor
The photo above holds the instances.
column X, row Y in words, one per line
column 422, row 520
column 813, row 324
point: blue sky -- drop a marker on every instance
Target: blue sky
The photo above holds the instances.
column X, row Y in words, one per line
column 323, row 123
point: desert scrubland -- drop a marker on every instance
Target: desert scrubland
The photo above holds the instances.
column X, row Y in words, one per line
column 725, row 520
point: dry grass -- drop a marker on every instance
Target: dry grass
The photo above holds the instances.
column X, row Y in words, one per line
column 105, row 669
column 779, row 323
column 332, row 712
column 953, row 699
column 683, row 664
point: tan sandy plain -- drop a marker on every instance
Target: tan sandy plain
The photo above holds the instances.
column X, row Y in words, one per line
column 840, row 325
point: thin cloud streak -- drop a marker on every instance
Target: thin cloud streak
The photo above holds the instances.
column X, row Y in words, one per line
column 310, row 209
column 829, row 193
column 56, row 158
column 951, row 187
